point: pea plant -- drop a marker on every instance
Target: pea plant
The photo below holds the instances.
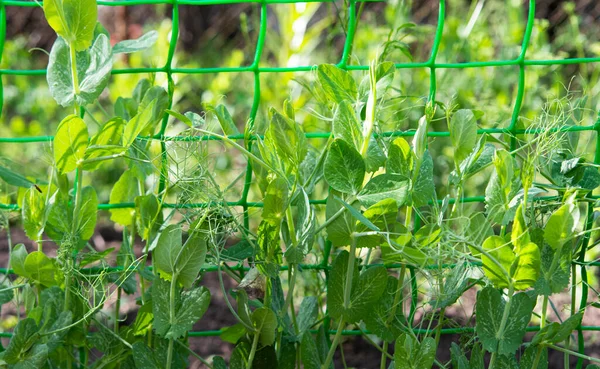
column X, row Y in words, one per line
column 392, row 250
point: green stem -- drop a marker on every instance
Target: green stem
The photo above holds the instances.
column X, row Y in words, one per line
column 500, row 333
column 574, row 353
column 438, row 330
column 538, row 356
column 544, row 311
column 171, row 318
column 397, row 296
column 74, row 77
column 253, row 350
column 336, row 340
column 347, row 293
column 117, row 308
column 290, row 296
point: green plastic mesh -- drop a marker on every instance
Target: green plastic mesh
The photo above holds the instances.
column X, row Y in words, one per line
column 256, row 69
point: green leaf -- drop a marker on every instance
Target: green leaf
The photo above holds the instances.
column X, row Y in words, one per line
column 463, row 133
column 233, row 333
column 526, row 267
column 264, row 322
column 141, row 43
column 275, row 201
column 337, row 84
column 268, row 254
column 384, row 186
column 149, row 215
column 400, row 158
column 70, row 143
column 519, row 235
column 35, row 358
column 490, row 309
column 40, row 268
column 158, row 99
column 459, row 360
column 190, row 306
column 420, row 139
column 105, row 143
column 93, row 71
column 423, row 188
column 383, row 216
column 34, row 213
column 238, row 252
column 144, row 356
column 385, row 319
column 17, row 260
column 366, row 289
column 307, row 314
column 24, row 336
column 288, row 138
column 141, row 121
column 6, row 293
column 556, row 333
column 225, row 120
column 358, row 215
column 309, row 353
column 561, row 225
column 555, row 270
column 502, row 187
column 500, row 250
column 340, row 230
column 346, row 125
column 73, row 20
column 87, row 216
column 14, row 179
column 174, row 259
column 529, row 357
column 143, row 320
column 344, row 168
column 125, row 190
column 93, row 256
column 366, row 292
column 412, row 354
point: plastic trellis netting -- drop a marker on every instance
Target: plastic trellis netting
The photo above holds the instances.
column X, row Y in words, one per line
column 256, row 70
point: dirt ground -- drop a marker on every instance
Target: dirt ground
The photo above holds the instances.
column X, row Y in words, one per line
column 358, row 353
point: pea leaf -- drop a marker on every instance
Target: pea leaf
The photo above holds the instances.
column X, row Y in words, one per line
column 502, row 251
column 344, row 167
column 463, row 133
column 423, row 188
column 93, row 71
column 105, row 143
column 275, row 201
column 560, row 226
column 70, row 143
column 190, row 306
column 148, row 208
column 384, row 186
column 225, row 120
column 24, row 336
column 288, row 138
column 529, row 357
column 137, row 124
column 125, row 190
column 87, row 215
column 141, row 43
column 34, row 213
column 490, row 309
column 339, row 230
column 309, row 353
column 172, row 258
column 385, row 319
column 159, row 99
column 383, row 216
column 17, row 260
column 73, row 20
column 307, row 314
column 400, row 158
column 14, row 178
column 526, row 267
column 555, row 270
column 412, row 354
column 337, row 84
column 264, row 322
column 346, row 125
column 144, row 356
column 40, row 268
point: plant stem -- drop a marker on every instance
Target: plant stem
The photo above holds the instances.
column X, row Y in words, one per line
column 253, row 350
column 538, row 356
column 117, row 308
column 347, row 292
column 544, row 311
column 574, row 353
column 397, row 296
column 74, row 77
column 290, row 296
column 171, row 318
column 336, row 340
column 500, row 333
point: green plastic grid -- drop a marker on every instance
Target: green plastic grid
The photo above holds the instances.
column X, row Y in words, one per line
column 256, row 70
